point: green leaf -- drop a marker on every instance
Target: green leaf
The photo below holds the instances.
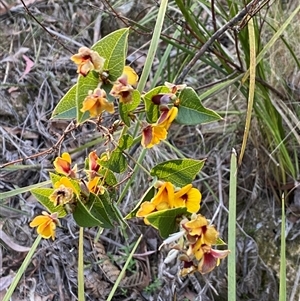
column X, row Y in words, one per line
column 42, row 195
column 126, row 108
column 147, row 196
column 117, row 161
column 113, row 48
column 166, row 220
column 98, row 206
column 66, row 108
column 152, row 110
column 191, row 111
column 179, row 172
column 107, row 88
column 109, row 177
column 83, row 216
column 111, row 208
column 54, row 177
column 125, row 141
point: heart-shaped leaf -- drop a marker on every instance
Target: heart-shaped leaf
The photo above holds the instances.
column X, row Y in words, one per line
column 83, row 217
column 180, row 172
column 191, row 111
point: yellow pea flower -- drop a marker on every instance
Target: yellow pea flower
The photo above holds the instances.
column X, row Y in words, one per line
column 63, row 165
column 161, row 201
column 211, row 259
column 200, row 228
column 167, row 117
column 93, row 186
column 123, row 87
column 188, row 197
column 46, row 224
column 152, row 135
column 96, row 103
column 88, row 60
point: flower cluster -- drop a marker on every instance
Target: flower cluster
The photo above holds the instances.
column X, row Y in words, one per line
column 168, row 197
column 153, row 134
column 96, row 101
column 164, row 99
column 123, row 88
column 197, row 238
column 166, row 207
column 67, row 190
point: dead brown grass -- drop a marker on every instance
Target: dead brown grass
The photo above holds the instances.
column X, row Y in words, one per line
column 26, row 102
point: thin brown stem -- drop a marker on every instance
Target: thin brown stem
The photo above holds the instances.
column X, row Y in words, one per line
column 38, row 22
column 71, row 127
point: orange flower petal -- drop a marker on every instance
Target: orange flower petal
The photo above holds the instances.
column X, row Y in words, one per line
column 63, row 165
column 164, row 197
column 197, row 249
column 132, row 77
column 167, row 117
column 188, row 197
column 66, row 157
column 46, row 224
column 210, row 235
column 195, row 226
column 40, row 219
column 145, row 209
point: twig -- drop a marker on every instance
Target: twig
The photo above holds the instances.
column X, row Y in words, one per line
column 212, row 39
column 38, row 22
column 69, row 129
column 213, row 14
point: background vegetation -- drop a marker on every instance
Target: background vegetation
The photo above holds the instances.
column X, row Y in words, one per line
column 268, row 170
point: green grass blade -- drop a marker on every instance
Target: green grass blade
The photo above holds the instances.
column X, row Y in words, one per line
column 80, row 275
column 109, row 298
column 163, row 61
column 282, row 279
column 22, row 269
column 17, row 191
column 252, row 69
column 232, row 228
column 276, row 36
column 153, row 45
